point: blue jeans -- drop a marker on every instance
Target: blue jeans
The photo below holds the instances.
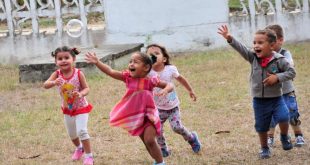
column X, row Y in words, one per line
column 291, row 103
column 267, row 108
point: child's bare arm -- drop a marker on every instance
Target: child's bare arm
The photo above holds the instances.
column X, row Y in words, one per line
column 185, row 83
column 166, row 88
column 52, row 81
column 84, row 87
column 93, row 59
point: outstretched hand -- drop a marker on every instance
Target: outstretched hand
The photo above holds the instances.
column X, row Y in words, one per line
column 271, row 79
column 193, row 96
column 223, row 30
column 91, row 58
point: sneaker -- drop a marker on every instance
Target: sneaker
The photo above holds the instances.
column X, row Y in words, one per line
column 78, row 153
column 265, row 153
column 165, row 152
column 286, row 142
column 299, row 141
column 195, row 143
column 270, row 141
column 163, row 163
column 88, row 161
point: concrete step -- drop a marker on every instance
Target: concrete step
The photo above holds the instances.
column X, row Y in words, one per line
column 40, row 68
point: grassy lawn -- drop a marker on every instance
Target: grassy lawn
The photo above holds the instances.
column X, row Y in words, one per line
column 32, row 130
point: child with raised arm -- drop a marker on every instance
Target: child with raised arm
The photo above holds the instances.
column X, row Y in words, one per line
column 73, row 88
column 288, row 93
column 136, row 111
column 268, row 71
column 168, row 106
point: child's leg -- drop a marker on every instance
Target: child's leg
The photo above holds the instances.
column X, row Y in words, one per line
column 176, row 124
column 81, row 127
column 163, row 115
column 70, row 123
column 291, row 103
column 282, row 116
column 271, row 133
column 263, row 139
column 71, row 129
column 149, row 139
column 272, row 128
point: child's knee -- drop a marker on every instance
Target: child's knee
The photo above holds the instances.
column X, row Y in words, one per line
column 83, row 134
column 178, row 130
column 150, row 142
column 262, row 126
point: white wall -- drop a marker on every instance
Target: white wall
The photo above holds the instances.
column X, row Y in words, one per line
column 178, row 24
column 183, row 25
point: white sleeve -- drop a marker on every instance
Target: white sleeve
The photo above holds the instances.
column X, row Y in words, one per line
column 175, row 72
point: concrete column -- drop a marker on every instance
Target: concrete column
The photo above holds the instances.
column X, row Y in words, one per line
column 9, row 18
column 58, row 17
column 83, row 14
column 33, row 12
column 305, row 6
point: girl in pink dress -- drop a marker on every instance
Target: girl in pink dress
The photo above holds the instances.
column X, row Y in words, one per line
column 136, row 111
column 73, row 88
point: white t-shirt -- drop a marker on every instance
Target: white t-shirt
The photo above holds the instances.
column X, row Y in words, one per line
column 171, row 100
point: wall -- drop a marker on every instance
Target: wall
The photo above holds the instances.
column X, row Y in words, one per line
column 190, row 26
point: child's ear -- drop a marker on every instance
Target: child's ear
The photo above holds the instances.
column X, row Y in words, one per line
column 272, row 44
column 146, row 68
column 165, row 59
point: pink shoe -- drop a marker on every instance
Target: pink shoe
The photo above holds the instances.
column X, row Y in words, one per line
column 88, row 161
column 78, row 153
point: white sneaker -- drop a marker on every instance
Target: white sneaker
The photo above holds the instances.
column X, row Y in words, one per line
column 299, row 141
column 270, row 141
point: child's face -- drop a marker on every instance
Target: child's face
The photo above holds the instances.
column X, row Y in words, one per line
column 136, row 66
column 157, row 52
column 64, row 61
column 278, row 44
column 262, row 47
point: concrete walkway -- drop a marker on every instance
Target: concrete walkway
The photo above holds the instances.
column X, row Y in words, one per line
column 39, row 69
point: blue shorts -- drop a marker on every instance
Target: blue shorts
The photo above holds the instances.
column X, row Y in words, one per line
column 291, row 103
column 265, row 109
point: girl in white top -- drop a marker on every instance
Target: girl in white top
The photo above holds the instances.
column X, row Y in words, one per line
column 168, row 106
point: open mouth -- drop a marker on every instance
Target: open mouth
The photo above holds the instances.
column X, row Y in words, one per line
column 258, row 51
column 132, row 69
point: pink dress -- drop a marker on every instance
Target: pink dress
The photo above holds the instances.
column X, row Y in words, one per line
column 136, row 110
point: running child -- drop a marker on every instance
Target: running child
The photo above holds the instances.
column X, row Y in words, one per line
column 168, row 106
column 136, row 111
column 288, row 93
column 73, row 88
column 268, row 71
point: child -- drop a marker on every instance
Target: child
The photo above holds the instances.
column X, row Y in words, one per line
column 136, row 112
column 168, row 106
column 73, row 88
column 268, row 70
column 288, row 94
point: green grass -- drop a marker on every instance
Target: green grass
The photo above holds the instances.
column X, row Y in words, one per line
column 31, row 122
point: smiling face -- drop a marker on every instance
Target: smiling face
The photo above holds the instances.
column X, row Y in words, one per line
column 262, row 47
column 64, row 61
column 137, row 68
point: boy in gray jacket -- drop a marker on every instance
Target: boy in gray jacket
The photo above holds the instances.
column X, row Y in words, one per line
column 268, row 70
column 288, row 94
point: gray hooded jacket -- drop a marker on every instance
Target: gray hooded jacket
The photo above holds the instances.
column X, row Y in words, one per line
column 277, row 65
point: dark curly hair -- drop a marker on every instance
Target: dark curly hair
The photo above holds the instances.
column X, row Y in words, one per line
column 163, row 51
column 72, row 51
